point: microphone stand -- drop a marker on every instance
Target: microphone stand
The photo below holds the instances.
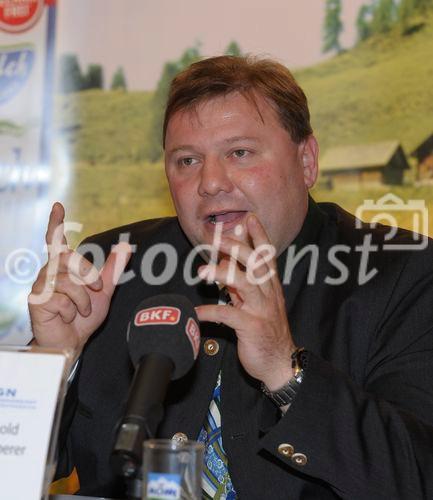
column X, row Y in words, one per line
column 144, row 412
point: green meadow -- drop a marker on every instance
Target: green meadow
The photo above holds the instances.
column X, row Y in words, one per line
column 380, row 90
column 105, row 196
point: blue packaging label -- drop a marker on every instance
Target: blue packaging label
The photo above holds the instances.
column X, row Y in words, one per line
column 16, row 63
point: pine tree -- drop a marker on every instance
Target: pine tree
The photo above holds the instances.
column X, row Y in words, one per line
column 119, row 81
column 233, row 49
column 363, row 22
column 70, row 77
column 332, row 26
column 406, row 10
column 384, row 13
column 94, row 78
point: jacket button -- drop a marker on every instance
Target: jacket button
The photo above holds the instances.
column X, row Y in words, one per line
column 299, row 459
column 211, row 347
column 286, row 450
column 180, row 437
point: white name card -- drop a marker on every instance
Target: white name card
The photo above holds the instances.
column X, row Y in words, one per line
column 30, row 384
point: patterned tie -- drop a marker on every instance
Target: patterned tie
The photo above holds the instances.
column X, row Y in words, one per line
column 216, row 482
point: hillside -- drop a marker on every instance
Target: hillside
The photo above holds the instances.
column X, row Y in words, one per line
column 104, row 127
column 382, row 89
column 379, row 90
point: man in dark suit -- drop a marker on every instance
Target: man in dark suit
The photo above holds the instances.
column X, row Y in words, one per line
column 351, row 416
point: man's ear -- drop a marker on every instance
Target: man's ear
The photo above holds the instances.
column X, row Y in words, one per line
column 310, row 160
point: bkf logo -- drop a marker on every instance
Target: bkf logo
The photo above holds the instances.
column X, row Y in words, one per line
column 161, row 315
column 18, row 16
column 16, row 64
column 193, row 332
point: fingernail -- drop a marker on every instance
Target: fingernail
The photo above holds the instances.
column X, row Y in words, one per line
column 252, row 219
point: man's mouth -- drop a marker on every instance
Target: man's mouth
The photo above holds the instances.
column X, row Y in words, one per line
column 226, row 217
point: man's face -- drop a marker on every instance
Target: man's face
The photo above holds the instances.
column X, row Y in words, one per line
column 224, row 161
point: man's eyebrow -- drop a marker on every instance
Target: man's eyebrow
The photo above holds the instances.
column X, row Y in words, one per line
column 184, row 147
column 229, row 140
column 240, row 138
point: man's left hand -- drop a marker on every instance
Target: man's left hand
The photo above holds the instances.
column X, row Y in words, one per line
column 258, row 312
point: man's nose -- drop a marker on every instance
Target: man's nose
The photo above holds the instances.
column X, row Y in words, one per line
column 214, row 178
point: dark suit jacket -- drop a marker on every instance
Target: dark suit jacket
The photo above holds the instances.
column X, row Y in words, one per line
column 364, row 414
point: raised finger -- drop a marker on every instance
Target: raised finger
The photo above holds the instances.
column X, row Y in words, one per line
column 242, row 252
column 228, row 274
column 260, row 238
column 235, row 249
column 55, row 237
column 81, row 270
column 259, row 263
column 256, row 230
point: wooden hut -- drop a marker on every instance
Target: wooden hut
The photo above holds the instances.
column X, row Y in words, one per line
column 424, row 155
column 364, row 164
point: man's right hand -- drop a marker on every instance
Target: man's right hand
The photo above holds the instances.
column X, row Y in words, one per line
column 70, row 297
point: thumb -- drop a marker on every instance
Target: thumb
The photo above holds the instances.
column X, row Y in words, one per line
column 114, row 266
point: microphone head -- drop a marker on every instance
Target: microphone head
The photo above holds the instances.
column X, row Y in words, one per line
column 168, row 325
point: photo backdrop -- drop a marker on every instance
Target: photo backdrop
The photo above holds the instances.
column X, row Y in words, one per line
column 88, row 133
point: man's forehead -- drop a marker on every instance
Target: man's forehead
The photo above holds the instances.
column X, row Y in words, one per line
column 251, row 105
column 252, row 102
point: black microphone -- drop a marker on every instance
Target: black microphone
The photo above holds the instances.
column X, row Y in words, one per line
column 163, row 341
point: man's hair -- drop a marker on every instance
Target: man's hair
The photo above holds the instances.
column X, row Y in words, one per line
column 219, row 76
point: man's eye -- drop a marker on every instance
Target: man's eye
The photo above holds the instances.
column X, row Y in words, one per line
column 187, row 162
column 240, row 153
